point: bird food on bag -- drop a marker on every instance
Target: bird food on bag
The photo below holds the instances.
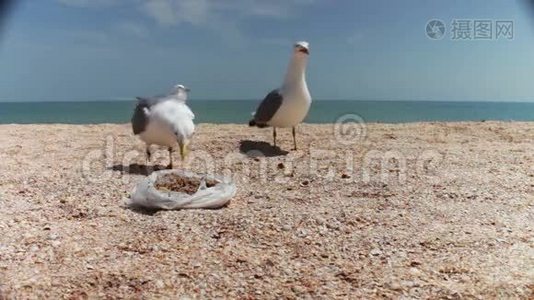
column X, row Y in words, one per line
column 176, row 183
column 178, row 189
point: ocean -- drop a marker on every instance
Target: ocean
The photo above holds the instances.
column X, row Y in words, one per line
column 239, row 111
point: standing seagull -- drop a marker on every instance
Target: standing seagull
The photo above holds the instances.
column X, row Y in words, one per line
column 288, row 105
column 164, row 121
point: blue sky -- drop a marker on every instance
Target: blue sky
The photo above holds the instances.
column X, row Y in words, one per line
column 239, row 49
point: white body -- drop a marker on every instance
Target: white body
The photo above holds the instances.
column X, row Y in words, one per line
column 296, row 96
column 295, row 107
column 170, row 123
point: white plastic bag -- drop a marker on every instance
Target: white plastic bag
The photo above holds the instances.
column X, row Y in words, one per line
column 146, row 195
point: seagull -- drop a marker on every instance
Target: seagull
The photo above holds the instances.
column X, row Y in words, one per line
column 288, row 105
column 164, row 121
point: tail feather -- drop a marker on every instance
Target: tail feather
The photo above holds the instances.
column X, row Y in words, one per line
column 253, row 123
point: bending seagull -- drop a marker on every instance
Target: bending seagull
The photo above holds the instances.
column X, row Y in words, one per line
column 288, row 105
column 164, row 121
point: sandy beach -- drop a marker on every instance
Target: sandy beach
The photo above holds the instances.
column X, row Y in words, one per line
column 424, row 210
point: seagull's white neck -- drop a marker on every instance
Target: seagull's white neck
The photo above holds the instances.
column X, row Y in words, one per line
column 181, row 95
column 296, row 71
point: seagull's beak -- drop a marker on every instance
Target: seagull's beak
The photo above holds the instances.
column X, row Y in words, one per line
column 187, row 89
column 304, row 50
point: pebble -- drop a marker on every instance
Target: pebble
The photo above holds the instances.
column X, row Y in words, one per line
column 395, row 286
column 160, row 284
column 375, row 252
column 408, row 283
column 297, row 289
column 320, row 220
column 289, row 240
column 415, row 271
column 333, row 225
column 302, row 233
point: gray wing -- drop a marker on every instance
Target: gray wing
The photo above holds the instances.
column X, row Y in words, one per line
column 150, row 101
column 268, row 107
column 139, row 118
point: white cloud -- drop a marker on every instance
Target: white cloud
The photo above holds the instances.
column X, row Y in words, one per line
column 162, row 11
column 172, row 12
column 356, row 38
column 198, row 12
column 88, row 3
column 276, row 41
column 88, row 36
column 134, row 29
column 224, row 17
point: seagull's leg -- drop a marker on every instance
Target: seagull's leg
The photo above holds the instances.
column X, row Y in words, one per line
column 294, row 139
column 274, row 135
column 170, row 158
column 147, row 155
column 183, row 150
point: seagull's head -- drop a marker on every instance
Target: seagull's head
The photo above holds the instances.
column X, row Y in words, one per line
column 302, row 48
column 180, row 92
column 180, row 88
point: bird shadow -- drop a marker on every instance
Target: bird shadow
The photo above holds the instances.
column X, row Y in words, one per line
column 144, row 211
column 260, row 148
column 137, row 169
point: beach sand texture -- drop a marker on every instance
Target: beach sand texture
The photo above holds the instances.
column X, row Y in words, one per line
column 428, row 210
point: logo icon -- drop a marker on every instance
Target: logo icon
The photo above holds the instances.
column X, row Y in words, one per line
column 435, row 29
column 350, row 129
column 505, row 29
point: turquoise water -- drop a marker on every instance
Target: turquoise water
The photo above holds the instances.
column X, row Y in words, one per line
column 226, row 111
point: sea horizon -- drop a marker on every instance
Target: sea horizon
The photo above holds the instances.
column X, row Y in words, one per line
column 129, row 99
column 239, row 111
